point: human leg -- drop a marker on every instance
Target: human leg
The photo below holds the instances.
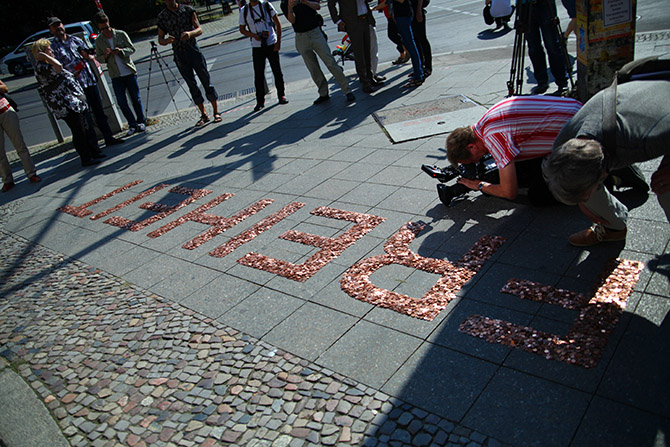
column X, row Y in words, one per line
column 320, row 46
column 200, row 67
column 305, row 46
column 609, row 216
column 134, row 92
column 422, row 44
column 275, row 66
column 9, row 123
column 374, row 51
column 95, row 104
column 405, row 29
column 186, row 70
column 119, row 87
column 75, row 121
column 258, row 59
column 552, row 44
column 359, row 33
column 535, row 50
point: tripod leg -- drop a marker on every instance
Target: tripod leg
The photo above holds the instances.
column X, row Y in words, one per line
column 146, row 108
column 564, row 50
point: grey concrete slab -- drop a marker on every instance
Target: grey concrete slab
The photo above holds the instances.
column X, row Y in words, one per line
column 186, row 280
column 332, row 296
column 369, row 353
column 219, row 295
column 260, row 312
column 551, row 413
column 642, row 353
column 444, row 381
column 609, row 423
column 310, row 330
column 366, row 194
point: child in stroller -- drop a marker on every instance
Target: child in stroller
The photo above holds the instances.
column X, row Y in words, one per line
column 344, row 51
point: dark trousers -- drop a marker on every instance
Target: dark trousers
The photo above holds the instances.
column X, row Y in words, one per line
column 359, row 33
column 190, row 62
column 95, row 104
column 121, row 85
column 84, row 139
column 529, row 175
column 394, row 35
column 542, row 28
column 422, row 44
column 259, row 55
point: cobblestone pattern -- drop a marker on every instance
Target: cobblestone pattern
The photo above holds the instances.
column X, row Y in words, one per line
column 117, row 365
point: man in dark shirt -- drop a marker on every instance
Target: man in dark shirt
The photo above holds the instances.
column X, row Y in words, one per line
column 310, row 42
column 178, row 25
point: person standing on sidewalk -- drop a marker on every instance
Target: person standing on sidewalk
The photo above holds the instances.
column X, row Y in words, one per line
column 65, row 99
column 355, row 18
column 113, row 47
column 259, row 22
column 541, row 28
column 310, row 41
column 73, row 53
column 9, row 124
column 178, row 25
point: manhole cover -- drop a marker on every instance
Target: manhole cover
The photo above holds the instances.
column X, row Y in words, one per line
column 429, row 118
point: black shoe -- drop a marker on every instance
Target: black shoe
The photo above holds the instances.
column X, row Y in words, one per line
column 258, row 107
column 368, row 88
column 98, row 155
column 351, row 97
column 283, row 100
column 112, row 141
column 560, row 91
column 376, row 83
column 90, row 162
column 379, row 78
column 539, row 89
column 321, row 99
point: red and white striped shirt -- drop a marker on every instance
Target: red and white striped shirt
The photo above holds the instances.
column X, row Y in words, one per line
column 524, row 127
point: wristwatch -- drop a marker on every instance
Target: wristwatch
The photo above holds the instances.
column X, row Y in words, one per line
column 480, row 187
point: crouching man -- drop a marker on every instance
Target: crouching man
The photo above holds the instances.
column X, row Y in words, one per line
column 580, row 162
column 517, row 132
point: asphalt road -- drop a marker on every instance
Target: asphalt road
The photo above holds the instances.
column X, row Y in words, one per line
column 453, row 26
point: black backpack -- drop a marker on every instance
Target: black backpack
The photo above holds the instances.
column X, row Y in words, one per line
column 266, row 5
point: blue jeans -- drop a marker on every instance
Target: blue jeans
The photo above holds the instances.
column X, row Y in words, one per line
column 541, row 26
column 190, row 62
column 405, row 30
column 121, row 85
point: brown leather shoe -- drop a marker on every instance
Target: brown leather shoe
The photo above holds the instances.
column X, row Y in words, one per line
column 595, row 235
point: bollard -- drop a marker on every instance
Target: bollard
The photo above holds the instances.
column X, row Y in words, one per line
column 606, row 41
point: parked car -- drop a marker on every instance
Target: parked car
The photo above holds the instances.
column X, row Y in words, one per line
column 18, row 64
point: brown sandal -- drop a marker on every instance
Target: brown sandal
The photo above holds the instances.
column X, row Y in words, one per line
column 202, row 121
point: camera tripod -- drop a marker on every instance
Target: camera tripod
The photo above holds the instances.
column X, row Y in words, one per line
column 521, row 24
column 155, row 55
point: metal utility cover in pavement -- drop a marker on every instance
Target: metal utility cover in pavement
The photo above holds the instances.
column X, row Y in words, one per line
column 429, row 118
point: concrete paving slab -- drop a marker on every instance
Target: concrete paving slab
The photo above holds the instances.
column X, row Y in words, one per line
column 546, row 425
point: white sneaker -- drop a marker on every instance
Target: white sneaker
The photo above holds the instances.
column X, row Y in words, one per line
column 131, row 131
column 141, row 127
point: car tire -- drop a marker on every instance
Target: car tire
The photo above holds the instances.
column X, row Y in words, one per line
column 17, row 69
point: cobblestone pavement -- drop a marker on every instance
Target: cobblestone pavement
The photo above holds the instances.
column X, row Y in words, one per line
column 117, row 365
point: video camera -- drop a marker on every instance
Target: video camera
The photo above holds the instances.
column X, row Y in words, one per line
column 485, row 170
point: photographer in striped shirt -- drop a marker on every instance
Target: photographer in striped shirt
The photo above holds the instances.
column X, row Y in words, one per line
column 518, row 132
